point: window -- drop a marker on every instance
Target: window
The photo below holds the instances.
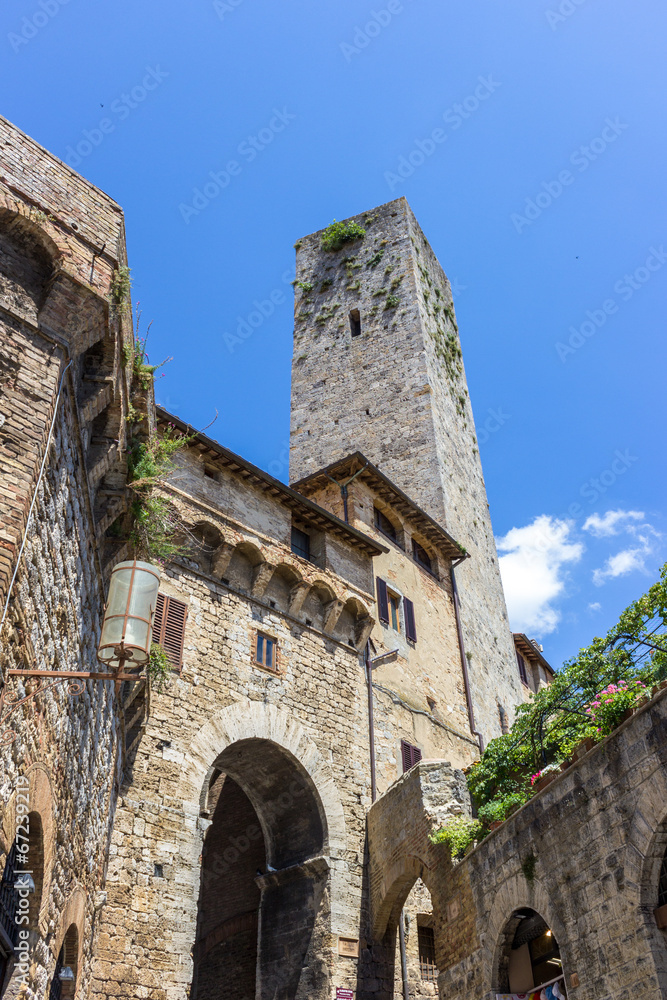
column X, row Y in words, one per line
column 421, row 556
column 523, row 674
column 383, row 524
column 410, row 755
column 355, row 323
column 300, row 543
column 427, row 966
column 169, row 627
column 394, row 611
column 266, row 652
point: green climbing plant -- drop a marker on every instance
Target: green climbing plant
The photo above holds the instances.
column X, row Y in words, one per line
column 338, row 234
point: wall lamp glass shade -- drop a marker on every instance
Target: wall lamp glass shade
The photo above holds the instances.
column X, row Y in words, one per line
column 24, row 881
column 128, row 620
column 66, row 975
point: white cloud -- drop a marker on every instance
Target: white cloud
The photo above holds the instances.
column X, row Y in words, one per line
column 623, row 562
column 612, row 523
column 595, row 606
column 531, row 569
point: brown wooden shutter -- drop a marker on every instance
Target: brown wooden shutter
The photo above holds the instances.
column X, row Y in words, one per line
column 410, row 628
column 169, row 627
column 383, row 601
column 411, row 755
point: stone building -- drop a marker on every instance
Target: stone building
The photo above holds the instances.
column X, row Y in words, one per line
column 339, row 651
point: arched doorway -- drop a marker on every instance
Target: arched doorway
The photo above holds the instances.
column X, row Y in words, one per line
column 531, row 957
column 419, row 961
column 63, row 984
column 262, row 910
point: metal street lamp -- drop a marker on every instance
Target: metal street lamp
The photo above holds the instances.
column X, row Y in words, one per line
column 126, row 632
column 125, row 640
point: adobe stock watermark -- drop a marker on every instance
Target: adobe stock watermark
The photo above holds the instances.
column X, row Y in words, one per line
column 31, row 26
column 582, row 157
column 564, row 10
column 454, row 117
column 122, row 107
column 364, row 35
column 249, row 149
column 494, row 420
column 23, row 885
column 261, row 311
column 224, row 7
column 625, row 287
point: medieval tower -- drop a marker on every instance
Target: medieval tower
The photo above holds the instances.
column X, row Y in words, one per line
column 377, row 369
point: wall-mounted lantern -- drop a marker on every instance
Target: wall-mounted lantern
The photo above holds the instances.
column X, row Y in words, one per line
column 66, row 975
column 125, row 641
column 128, row 620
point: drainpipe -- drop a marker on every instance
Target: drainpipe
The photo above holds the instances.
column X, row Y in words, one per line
column 371, row 727
column 343, row 489
column 404, row 960
column 464, row 658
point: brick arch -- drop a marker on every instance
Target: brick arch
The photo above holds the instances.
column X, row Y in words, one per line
column 396, row 887
column 259, row 721
column 73, row 915
column 514, row 894
column 40, row 803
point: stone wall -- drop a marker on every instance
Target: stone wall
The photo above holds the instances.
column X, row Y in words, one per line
column 60, row 242
column 585, row 853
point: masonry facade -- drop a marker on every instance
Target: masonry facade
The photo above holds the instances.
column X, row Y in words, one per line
column 257, row 826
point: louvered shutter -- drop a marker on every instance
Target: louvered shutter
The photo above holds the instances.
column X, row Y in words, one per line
column 411, row 755
column 410, row 628
column 169, row 627
column 383, row 601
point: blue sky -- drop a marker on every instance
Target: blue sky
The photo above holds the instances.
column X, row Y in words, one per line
column 545, row 205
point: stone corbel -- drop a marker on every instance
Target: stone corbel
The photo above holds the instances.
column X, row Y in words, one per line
column 362, row 632
column 222, row 558
column 261, row 578
column 332, row 613
column 297, row 597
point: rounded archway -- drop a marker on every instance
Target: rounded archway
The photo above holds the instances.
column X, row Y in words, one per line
column 530, row 958
column 264, row 871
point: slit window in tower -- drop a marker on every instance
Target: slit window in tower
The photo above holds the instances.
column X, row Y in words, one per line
column 355, row 323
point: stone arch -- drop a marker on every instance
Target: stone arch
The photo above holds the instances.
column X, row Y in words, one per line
column 653, row 829
column 355, row 621
column 70, row 935
column 271, row 809
column 245, row 559
column 41, row 809
column 516, row 894
column 319, row 597
column 29, row 263
column 264, row 722
column 397, row 884
column 205, row 540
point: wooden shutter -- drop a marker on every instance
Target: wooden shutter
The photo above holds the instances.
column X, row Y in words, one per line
column 522, row 668
column 169, row 627
column 410, row 629
column 383, row 601
column 411, row 755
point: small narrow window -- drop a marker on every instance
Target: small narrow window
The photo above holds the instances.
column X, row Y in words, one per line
column 394, row 611
column 300, row 543
column 169, row 627
column 383, row 524
column 355, row 323
column 421, row 556
column 427, row 966
column 522, row 669
column 410, row 755
column 265, row 651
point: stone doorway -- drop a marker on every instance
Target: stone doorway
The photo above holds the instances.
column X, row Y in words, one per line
column 263, row 903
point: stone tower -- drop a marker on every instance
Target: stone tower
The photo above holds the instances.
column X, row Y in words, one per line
column 377, row 368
